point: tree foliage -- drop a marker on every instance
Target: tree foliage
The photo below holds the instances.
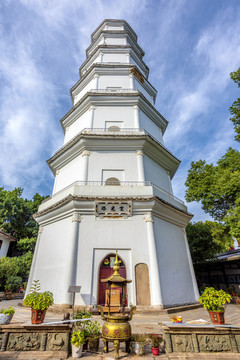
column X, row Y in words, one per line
column 235, row 108
column 207, row 240
column 218, row 189
column 16, row 213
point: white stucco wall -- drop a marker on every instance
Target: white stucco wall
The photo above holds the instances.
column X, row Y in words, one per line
column 174, row 270
column 53, row 259
column 4, row 248
column 114, row 81
column 156, row 174
column 89, row 86
column 150, row 126
column 104, row 160
column 83, row 122
column 116, row 113
column 118, row 58
column 75, row 168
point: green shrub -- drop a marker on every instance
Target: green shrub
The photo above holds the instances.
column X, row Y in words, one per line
column 7, row 311
column 13, row 283
column 213, row 300
column 37, row 300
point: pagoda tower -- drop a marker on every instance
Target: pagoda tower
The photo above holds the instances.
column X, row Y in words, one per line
column 112, row 188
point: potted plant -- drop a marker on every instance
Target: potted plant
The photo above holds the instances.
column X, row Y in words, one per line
column 82, row 325
column 38, row 302
column 155, row 340
column 6, row 315
column 77, row 341
column 138, row 344
column 213, row 300
column 94, row 333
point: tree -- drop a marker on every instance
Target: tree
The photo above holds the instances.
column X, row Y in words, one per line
column 16, row 213
column 218, row 188
column 206, row 240
column 235, row 108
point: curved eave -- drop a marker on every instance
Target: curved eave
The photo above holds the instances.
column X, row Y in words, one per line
column 157, row 204
column 93, row 97
column 81, row 142
column 112, row 47
column 115, row 32
column 99, row 69
column 114, row 21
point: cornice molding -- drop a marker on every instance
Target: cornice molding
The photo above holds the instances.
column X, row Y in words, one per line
column 148, row 207
column 116, row 142
column 103, row 69
column 113, row 21
column 103, row 99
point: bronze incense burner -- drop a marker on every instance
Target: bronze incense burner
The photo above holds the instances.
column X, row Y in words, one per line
column 116, row 327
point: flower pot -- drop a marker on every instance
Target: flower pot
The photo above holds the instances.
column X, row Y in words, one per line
column 138, row 348
column 37, row 316
column 217, row 317
column 5, row 319
column 155, row 351
column 77, row 351
column 93, row 344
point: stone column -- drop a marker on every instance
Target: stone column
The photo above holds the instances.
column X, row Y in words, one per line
column 156, row 295
column 195, row 287
column 136, row 116
column 91, row 110
column 140, row 165
column 72, row 245
column 56, row 180
column 131, row 81
column 101, row 57
column 85, row 155
column 31, row 274
column 96, row 77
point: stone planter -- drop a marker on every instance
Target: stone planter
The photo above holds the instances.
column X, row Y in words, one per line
column 93, row 344
column 37, row 316
column 77, row 351
column 217, row 317
column 139, row 348
column 5, row 319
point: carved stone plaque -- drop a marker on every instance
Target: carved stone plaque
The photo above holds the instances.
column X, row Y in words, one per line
column 24, row 342
column 214, row 343
column 113, row 209
column 182, row 343
column 57, row 342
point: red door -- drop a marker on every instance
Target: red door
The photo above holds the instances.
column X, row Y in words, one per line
column 106, row 270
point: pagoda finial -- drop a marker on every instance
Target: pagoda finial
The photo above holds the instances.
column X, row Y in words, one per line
column 116, row 265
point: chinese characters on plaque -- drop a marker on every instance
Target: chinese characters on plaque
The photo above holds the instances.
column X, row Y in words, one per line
column 113, row 209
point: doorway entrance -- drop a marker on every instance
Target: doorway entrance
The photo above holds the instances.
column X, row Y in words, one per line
column 106, row 270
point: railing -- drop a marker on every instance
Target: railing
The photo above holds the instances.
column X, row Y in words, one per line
column 103, row 91
column 157, row 190
column 115, row 130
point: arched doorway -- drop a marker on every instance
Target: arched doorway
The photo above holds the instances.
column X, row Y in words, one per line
column 106, row 270
column 112, row 181
column 142, row 285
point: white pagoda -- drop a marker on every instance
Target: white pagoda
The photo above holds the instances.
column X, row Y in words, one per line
column 112, row 187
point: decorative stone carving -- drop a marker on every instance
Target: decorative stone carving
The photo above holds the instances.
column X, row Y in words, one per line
column 86, row 153
column 1, row 340
column 57, row 342
column 137, row 74
column 57, row 172
column 24, row 342
column 76, row 217
column 148, row 218
column 182, row 343
column 214, row 343
column 140, row 153
column 40, row 229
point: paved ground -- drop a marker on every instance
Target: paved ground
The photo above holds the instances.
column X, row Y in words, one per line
column 143, row 323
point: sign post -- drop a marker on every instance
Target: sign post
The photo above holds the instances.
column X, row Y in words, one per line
column 74, row 289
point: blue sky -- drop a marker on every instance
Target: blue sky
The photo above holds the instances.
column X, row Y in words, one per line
column 190, row 47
